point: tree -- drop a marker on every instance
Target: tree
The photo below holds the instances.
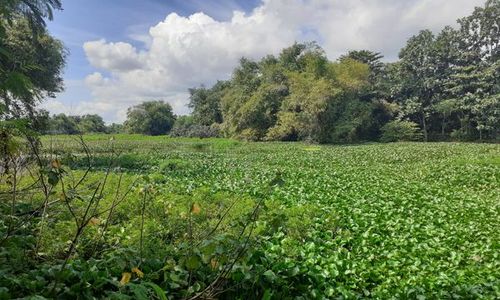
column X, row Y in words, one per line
column 35, row 11
column 182, row 126
column 479, row 33
column 32, row 72
column 372, row 59
column 63, row 124
column 251, row 102
column 445, row 108
column 397, row 130
column 41, row 121
column 304, row 110
column 91, row 124
column 206, row 103
column 474, row 83
column 243, row 104
column 30, row 60
column 150, row 117
column 115, row 128
column 418, row 76
column 325, row 109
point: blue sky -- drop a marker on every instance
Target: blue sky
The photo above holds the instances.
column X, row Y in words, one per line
column 118, row 20
column 123, row 52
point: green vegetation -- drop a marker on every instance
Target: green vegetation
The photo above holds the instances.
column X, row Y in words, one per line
column 151, row 117
column 182, row 218
column 448, row 84
column 397, row 131
column 129, row 216
column 31, row 61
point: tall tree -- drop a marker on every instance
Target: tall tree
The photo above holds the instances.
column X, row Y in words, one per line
column 325, row 109
column 206, row 103
column 31, row 63
column 35, row 70
column 372, row 59
column 418, row 70
column 35, row 11
column 474, row 83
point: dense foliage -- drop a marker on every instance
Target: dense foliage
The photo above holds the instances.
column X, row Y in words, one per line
column 185, row 126
column 449, row 84
column 214, row 218
column 150, row 117
column 64, row 124
column 31, row 63
column 397, row 131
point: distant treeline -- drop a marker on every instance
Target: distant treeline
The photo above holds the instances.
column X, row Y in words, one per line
column 64, row 124
column 444, row 86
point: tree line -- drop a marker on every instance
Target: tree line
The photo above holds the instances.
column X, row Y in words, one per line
column 443, row 86
column 74, row 124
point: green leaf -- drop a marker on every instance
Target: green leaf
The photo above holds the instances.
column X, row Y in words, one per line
column 160, row 293
column 269, row 274
column 53, row 178
column 140, row 291
column 193, row 262
column 267, row 295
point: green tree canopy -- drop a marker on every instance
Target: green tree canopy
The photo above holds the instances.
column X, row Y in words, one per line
column 206, row 103
column 446, row 83
column 91, row 124
column 32, row 72
column 63, row 124
column 150, row 117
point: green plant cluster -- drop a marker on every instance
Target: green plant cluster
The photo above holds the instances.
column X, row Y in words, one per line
column 240, row 220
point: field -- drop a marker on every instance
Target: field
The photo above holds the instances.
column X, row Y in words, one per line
column 229, row 219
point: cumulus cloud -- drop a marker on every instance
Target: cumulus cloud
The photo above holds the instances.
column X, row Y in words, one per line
column 116, row 57
column 186, row 51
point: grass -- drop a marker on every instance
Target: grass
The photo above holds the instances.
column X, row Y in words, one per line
column 402, row 220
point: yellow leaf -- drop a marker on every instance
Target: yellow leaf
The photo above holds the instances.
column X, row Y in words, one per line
column 214, row 263
column 94, row 221
column 195, row 208
column 56, row 164
column 125, row 278
column 138, row 272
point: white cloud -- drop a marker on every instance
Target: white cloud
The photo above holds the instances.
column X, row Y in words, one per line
column 115, row 57
column 182, row 52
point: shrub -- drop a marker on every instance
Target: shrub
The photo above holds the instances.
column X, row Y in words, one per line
column 199, row 131
column 461, row 135
column 396, row 131
column 249, row 134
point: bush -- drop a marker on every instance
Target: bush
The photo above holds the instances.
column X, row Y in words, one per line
column 191, row 130
column 396, row 131
column 250, row 134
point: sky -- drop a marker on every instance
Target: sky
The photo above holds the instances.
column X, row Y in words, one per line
column 124, row 52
